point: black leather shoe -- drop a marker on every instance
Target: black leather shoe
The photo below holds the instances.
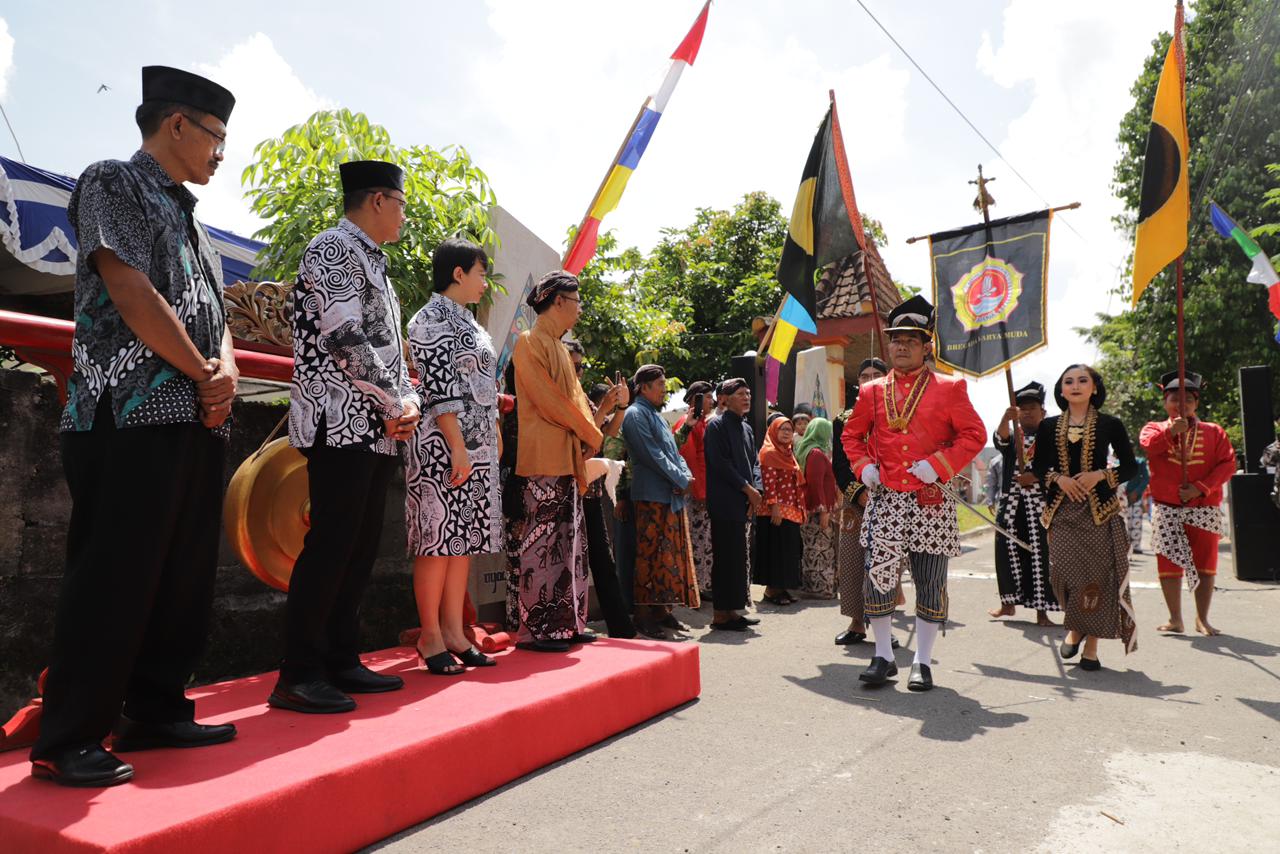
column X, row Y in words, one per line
column 83, row 766
column 893, row 643
column 1090, row 663
column 134, row 735
column 750, row 621
column 362, row 680
column 584, row 637
column 879, row 671
column 1069, row 650
column 729, row 626
column 921, row 678
column 849, row 637
column 651, row 630
column 313, row 698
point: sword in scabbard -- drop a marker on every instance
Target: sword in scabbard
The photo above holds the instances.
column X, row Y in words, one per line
column 947, row 489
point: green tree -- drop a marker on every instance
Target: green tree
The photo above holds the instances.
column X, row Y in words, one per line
column 715, row 276
column 294, row 185
column 1233, row 95
column 622, row 328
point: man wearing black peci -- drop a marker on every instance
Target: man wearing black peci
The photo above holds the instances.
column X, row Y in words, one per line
column 350, row 408
column 143, row 444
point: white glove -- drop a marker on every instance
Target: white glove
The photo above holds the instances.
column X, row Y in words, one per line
column 924, row 472
column 871, row 476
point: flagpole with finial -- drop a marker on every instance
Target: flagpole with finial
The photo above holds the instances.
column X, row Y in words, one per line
column 983, row 202
column 1180, row 52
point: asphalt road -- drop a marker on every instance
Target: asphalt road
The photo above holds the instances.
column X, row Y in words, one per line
column 1175, row 747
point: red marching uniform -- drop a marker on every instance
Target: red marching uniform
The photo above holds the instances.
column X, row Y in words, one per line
column 1211, row 461
column 896, row 422
column 947, row 432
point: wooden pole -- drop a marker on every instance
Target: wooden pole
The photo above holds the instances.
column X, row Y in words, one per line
column 983, row 206
column 591, row 206
column 1069, row 207
column 1182, row 347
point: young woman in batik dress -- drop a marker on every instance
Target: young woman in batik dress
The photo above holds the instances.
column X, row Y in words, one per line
column 453, row 507
column 1088, row 541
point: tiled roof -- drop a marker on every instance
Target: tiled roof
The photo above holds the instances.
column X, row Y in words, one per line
column 845, row 285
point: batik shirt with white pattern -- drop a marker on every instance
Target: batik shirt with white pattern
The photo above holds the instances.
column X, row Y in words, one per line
column 348, row 350
column 135, row 210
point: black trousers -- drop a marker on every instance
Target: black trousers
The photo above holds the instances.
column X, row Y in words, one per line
column 142, row 552
column 348, row 490
column 604, row 573
column 728, row 565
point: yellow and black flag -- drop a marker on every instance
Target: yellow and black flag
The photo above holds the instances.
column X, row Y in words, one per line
column 1165, row 204
column 821, row 229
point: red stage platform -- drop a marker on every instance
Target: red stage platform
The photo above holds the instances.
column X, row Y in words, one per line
column 292, row 782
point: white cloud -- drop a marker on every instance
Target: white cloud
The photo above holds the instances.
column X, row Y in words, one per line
column 6, row 58
column 269, row 99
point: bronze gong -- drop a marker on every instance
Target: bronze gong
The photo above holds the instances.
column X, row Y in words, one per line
column 267, row 512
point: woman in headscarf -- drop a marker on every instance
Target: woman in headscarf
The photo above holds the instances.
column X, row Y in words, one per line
column 1088, row 542
column 818, row 566
column 778, row 547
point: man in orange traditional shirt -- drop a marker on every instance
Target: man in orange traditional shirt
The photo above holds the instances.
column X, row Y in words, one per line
column 907, row 432
column 1188, row 515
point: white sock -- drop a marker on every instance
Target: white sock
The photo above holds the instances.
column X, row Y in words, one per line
column 882, row 631
column 926, row 634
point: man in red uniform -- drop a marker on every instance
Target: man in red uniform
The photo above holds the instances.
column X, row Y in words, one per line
column 1188, row 515
column 907, row 432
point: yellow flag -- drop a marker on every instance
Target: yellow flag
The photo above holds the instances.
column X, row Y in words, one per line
column 1165, row 204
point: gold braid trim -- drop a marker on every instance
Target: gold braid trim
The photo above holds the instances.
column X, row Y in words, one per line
column 1101, row 511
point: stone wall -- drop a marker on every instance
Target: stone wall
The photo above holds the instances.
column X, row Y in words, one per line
column 248, row 618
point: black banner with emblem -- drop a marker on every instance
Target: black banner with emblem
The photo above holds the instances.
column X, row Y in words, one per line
column 989, row 290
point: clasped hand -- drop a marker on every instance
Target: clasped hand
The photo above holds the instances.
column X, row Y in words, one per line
column 217, row 391
column 1077, row 488
column 402, row 428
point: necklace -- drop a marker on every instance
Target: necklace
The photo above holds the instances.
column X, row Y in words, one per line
column 900, row 421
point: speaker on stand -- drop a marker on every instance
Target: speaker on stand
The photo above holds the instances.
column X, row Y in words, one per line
column 1255, row 519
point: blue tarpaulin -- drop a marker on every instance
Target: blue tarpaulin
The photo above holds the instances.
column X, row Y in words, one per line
column 34, row 227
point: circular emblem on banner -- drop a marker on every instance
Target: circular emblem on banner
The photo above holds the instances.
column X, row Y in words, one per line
column 987, row 294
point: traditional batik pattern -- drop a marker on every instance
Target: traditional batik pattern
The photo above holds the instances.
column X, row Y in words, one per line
column 895, row 524
column 139, row 213
column 818, row 566
column 348, row 364
column 1170, row 538
column 664, row 560
column 455, row 359
column 700, row 540
column 547, row 594
column 1133, row 522
column 1022, row 508
column 1089, row 570
column 851, row 562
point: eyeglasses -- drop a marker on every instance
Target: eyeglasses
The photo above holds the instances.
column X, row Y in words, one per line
column 401, row 201
column 570, row 299
column 222, row 140
column 579, row 368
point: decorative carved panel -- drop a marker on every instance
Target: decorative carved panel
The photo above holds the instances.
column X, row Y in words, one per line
column 260, row 312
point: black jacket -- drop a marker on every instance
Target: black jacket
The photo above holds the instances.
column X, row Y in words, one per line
column 730, row 448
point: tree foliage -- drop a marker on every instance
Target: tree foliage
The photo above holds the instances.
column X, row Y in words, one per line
column 621, row 328
column 293, row 184
column 1233, row 95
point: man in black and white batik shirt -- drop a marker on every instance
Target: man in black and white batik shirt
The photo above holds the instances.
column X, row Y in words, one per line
column 351, row 407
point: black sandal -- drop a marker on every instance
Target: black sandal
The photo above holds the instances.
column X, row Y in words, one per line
column 779, row 599
column 441, row 663
column 473, row 657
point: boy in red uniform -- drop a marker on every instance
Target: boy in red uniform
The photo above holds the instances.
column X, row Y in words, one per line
column 907, row 432
column 1188, row 515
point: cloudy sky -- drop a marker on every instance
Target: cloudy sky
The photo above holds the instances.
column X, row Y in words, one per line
column 542, row 92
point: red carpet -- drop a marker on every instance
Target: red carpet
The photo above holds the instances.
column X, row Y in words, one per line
column 292, row 782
